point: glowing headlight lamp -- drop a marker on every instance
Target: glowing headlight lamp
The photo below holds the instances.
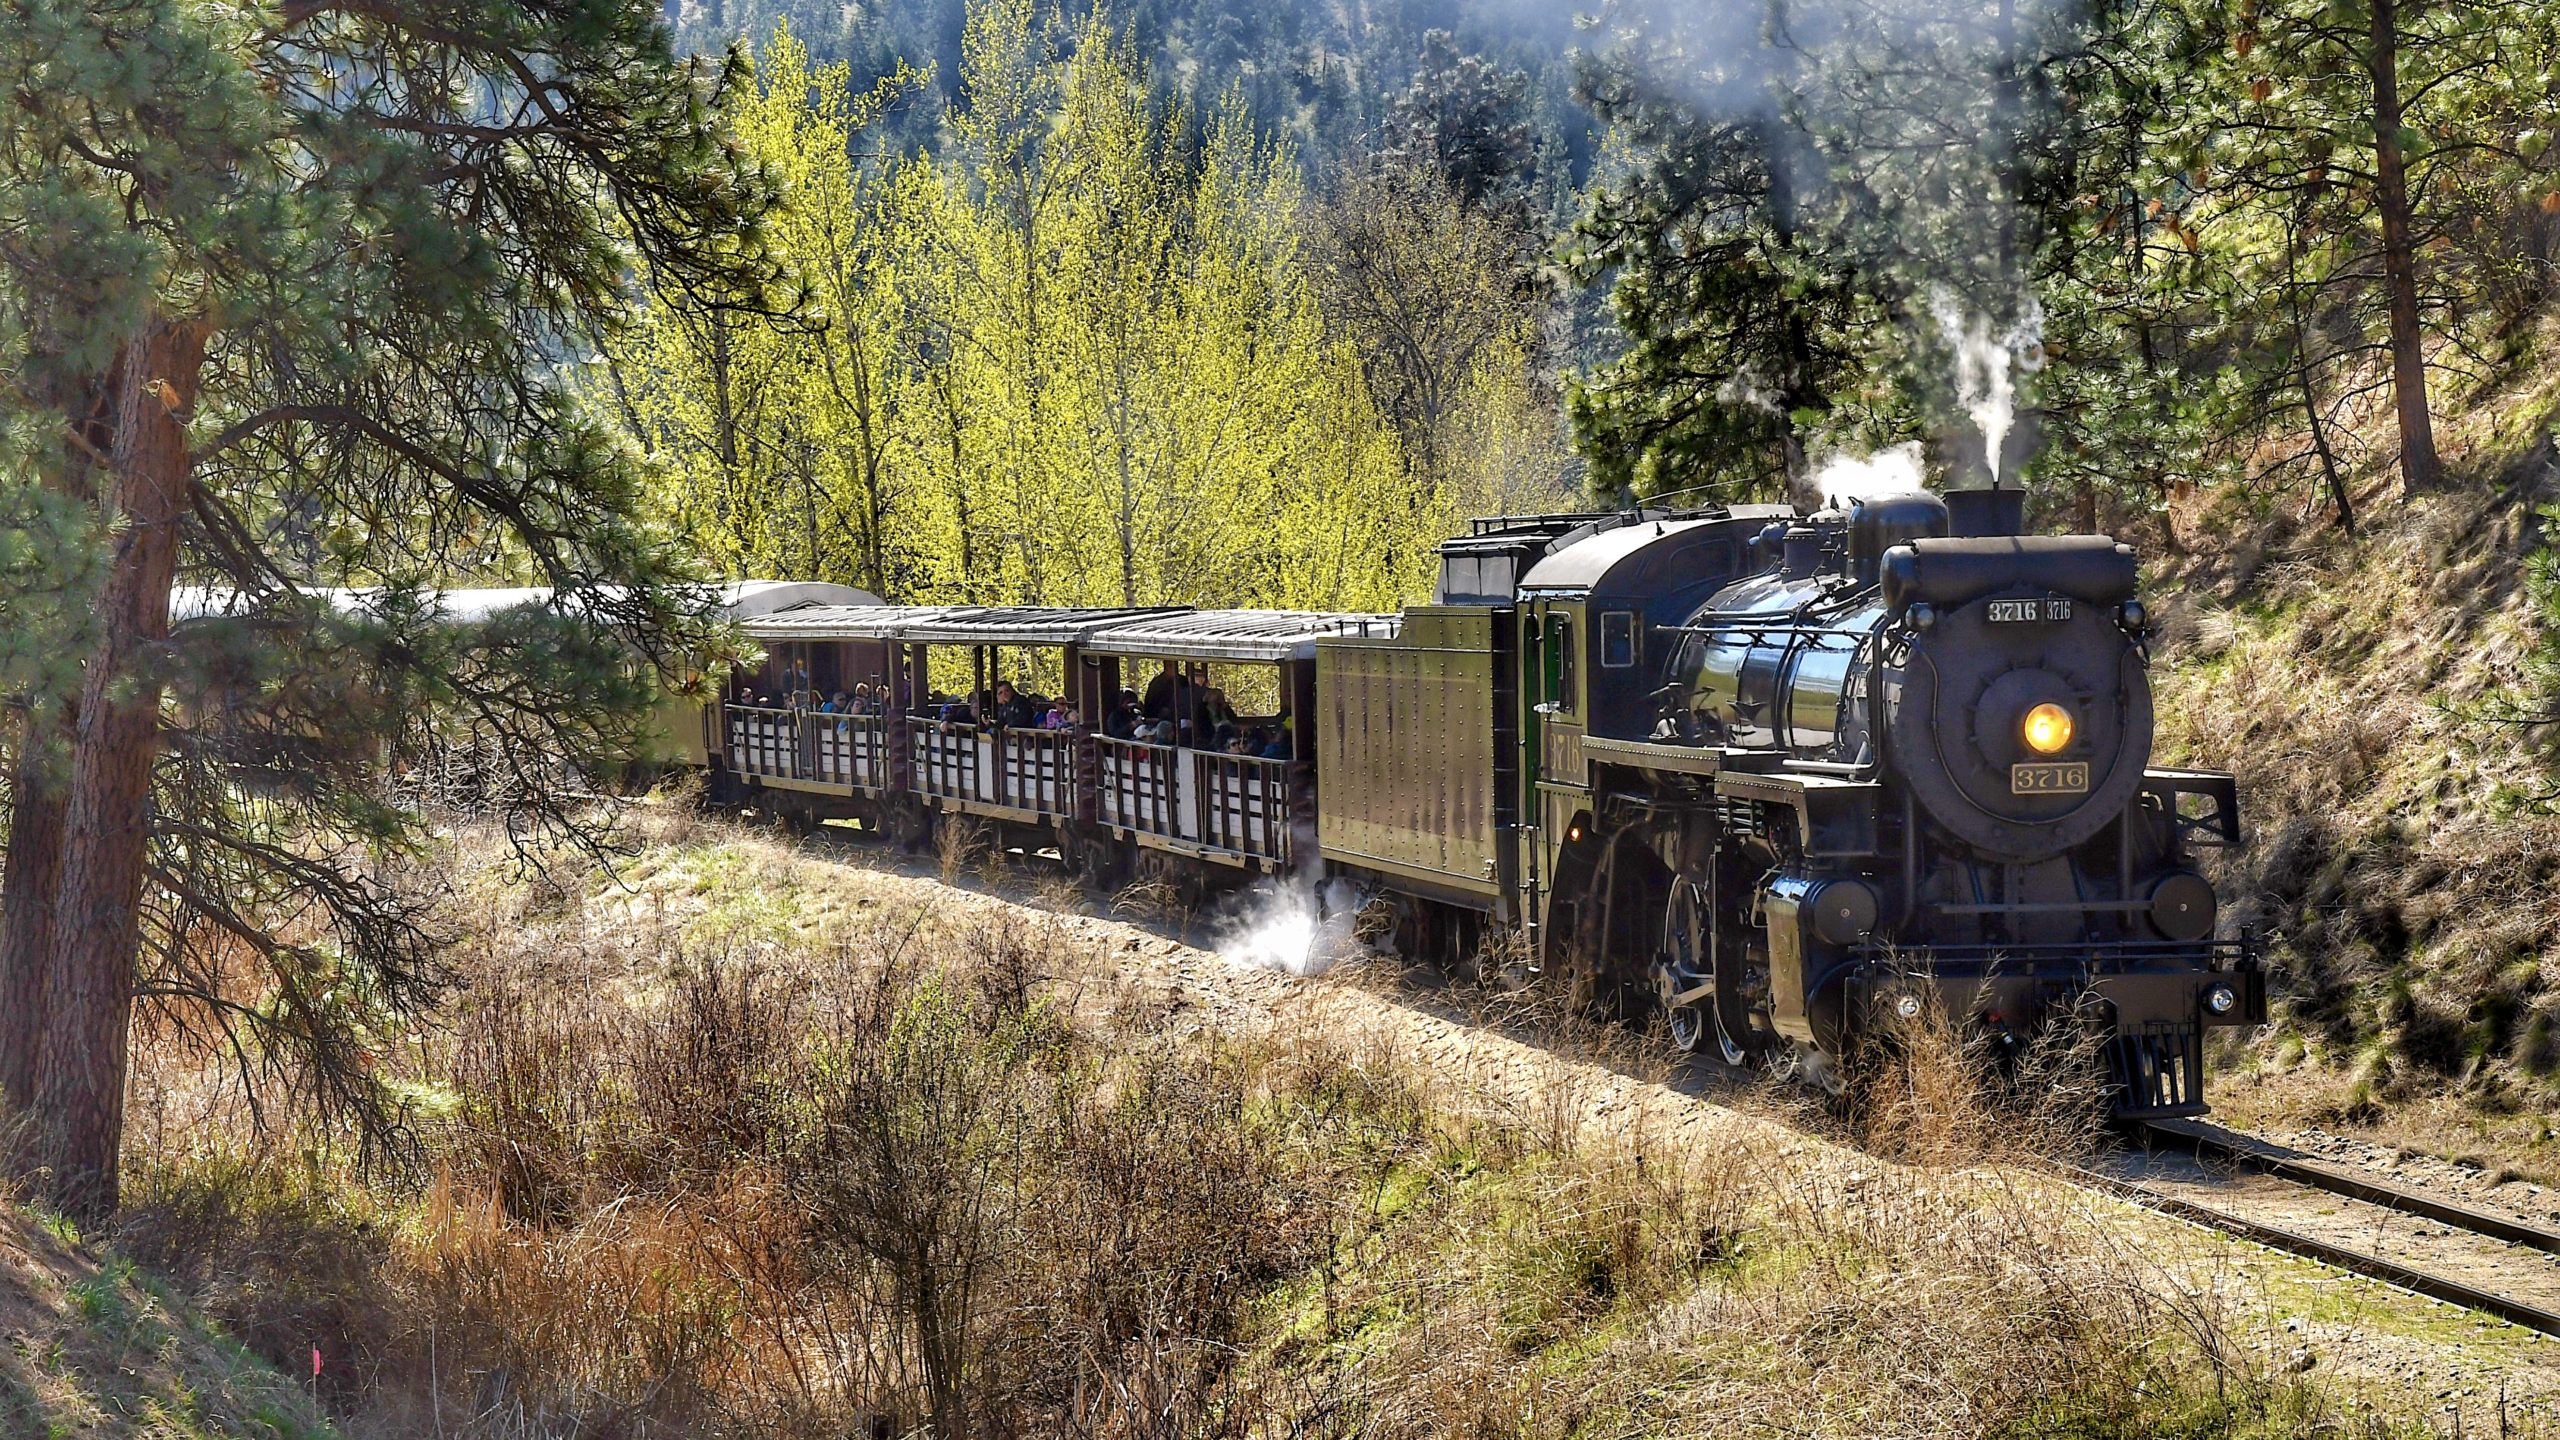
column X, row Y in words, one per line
column 2046, row 729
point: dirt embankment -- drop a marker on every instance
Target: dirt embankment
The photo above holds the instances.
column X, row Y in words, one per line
column 95, row 1347
column 2403, row 861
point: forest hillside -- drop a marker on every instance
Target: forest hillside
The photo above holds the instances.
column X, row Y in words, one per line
column 2384, row 698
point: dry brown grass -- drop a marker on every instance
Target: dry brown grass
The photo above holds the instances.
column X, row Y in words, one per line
column 2406, row 888
column 951, row 1174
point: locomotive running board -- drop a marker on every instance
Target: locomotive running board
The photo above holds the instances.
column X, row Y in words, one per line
column 1651, row 755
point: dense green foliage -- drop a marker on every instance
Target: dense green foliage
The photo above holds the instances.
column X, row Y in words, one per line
column 1096, row 350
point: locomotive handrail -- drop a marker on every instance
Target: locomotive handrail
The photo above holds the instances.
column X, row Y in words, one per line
column 1820, row 632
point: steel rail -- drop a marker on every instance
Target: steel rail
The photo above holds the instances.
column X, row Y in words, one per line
column 2362, row 1262
column 2259, row 1156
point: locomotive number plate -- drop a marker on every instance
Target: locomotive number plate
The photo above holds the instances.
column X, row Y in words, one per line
column 2063, row 779
column 2053, row 609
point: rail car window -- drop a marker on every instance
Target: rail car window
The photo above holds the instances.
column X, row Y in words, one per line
column 1617, row 640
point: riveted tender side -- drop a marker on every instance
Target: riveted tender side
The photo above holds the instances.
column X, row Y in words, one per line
column 1409, row 750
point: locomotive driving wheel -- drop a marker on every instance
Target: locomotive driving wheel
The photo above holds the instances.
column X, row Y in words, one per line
column 1702, row 1008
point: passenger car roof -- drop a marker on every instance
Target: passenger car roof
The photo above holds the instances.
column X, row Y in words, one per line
column 1242, row 636
column 941, row 624
column 1021, row 625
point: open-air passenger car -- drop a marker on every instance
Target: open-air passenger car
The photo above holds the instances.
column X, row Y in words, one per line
column 887, row 715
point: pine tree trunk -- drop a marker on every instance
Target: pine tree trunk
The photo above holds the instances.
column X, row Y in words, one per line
column 33, row 875
column 2418, row 465
column 30, row 884
column 106, row 816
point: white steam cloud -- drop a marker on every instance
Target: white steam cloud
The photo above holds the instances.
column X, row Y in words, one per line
column 1987, row 365
column 1301, row 927
column 1894, row 470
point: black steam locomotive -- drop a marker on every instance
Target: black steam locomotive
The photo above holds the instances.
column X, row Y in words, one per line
column 1789, row 775
column 1773, row 777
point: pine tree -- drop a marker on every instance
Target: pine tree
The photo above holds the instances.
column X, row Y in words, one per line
column 2339, row 163
column 282, row 313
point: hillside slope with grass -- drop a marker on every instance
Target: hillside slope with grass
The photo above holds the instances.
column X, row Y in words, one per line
column 102, row 1349
column 2402, row 847
column 757, row 1137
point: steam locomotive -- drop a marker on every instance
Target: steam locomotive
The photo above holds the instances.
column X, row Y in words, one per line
column 1777, row 778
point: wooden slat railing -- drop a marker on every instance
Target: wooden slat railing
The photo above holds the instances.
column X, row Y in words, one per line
column 1139, row 786
column 1039, row 770
column 1244, row 804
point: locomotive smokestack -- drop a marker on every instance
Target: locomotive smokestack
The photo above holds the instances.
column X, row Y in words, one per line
column 1982, row 513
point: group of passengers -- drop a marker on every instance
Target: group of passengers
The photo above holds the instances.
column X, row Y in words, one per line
column 1182, row 708
column 859, row 701
column 1004, row 706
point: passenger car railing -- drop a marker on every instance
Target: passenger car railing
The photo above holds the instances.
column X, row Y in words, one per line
column 1244, row 803
column 1039, row 770
column 1139, row 786
column 945, row 766
column 849, row 749
column 764, row 741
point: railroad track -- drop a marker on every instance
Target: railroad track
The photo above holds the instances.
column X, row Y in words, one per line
column 2480, row 1260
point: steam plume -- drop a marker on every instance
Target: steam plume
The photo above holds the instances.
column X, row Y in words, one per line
column 1987, row 365
column 1894, row 470
column 1300, row 927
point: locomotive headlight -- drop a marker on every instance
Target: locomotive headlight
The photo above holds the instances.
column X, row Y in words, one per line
column 2047, row 728
column 2220, row 999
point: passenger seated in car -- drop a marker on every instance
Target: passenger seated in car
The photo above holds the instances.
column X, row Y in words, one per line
column 1061, row 716
column 1217, row 718
column 1120, row 718
column 1160, row 692
column 1013, row 710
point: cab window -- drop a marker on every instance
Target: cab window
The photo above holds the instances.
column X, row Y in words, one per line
column 1617, row 640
